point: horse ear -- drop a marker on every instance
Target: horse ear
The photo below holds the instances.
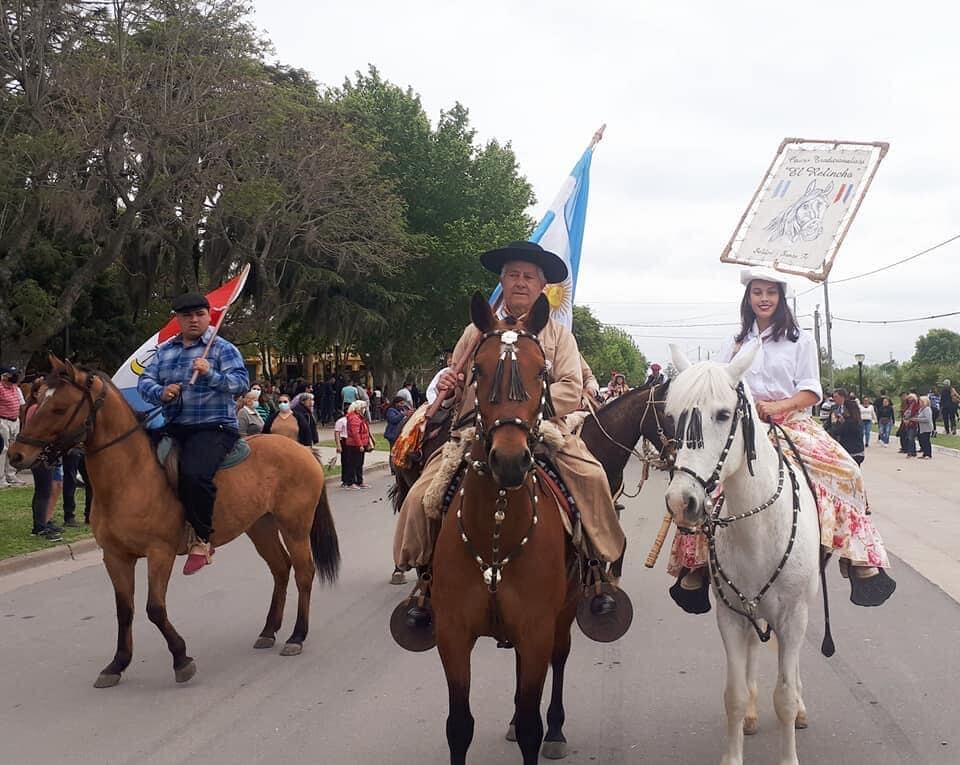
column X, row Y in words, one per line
column 811, row 187
column 481, row 313
column 55, row 364
column 71, row 370
column 680, row 361
column 828, row 188
column 737, row 368
column 539, row 315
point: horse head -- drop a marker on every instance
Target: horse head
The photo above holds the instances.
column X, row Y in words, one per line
column 65, row 413
column 708, row 402
column 510, row 387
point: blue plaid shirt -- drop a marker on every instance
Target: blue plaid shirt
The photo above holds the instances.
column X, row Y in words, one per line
column 210, row 401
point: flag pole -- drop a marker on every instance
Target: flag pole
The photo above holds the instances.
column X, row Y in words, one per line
column 598, row 136
column 223, row 315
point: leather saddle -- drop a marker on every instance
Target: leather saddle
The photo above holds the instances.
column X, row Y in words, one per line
column 168, row 455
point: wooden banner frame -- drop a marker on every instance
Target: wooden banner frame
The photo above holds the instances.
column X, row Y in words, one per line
column 731, row 252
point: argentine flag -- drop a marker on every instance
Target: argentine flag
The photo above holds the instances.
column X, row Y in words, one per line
column 561, row 232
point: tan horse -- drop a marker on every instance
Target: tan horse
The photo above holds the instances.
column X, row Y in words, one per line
column 276, row 496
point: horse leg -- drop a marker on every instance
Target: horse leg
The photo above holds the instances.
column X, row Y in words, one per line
column 786, row 696
column 455, row 656
column 159, row 566
column 303, row 573
column 266, row 540
column 735, row 633
column 120, row 569
column 750, row 720
column 534, row 658
column 512, row 727
column 555, row 743
column 802, row 723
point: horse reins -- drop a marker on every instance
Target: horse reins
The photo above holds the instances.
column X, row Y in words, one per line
column 52, row 450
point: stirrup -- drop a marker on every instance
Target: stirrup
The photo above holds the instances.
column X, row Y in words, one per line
column 604, row 612
column 411, row 623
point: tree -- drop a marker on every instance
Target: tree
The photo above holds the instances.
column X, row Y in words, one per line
column 607, row 348
column 461, row 199
column 938, row 346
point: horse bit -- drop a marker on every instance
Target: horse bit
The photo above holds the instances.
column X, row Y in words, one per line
column 508, row 348
column 693, row 439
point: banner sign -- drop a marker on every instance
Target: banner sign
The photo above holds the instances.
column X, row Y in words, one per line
column 804, row 206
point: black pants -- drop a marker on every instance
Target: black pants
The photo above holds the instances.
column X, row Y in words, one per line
column 202, row 449
column 352, row 471
column 72, row 464
column 42, row 489
column 949, row 420
column 925, row 447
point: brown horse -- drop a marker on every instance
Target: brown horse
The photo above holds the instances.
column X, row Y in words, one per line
column 277, row 496
column 503, row 566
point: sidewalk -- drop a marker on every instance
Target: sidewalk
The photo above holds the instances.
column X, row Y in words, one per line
column 915, row 507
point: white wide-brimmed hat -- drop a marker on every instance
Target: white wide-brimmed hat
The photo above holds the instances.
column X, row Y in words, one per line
column 765, row 274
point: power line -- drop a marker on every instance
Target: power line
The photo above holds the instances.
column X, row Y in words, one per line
column 896, row 321
column 884, row 268
column 682, row 326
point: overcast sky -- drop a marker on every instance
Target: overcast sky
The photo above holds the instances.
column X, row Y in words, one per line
column 697, row 97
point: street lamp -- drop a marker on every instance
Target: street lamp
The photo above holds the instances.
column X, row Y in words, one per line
column 860, row 359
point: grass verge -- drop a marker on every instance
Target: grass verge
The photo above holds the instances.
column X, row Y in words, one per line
column 16, row 521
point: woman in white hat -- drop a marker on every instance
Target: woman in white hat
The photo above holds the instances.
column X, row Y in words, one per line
column 785, row 382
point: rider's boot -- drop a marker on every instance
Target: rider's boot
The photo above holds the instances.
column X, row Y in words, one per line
column 869, row 585
column 692, row 591
column 418, row 616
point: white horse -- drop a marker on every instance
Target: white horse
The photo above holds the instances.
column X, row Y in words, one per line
column 764, row 563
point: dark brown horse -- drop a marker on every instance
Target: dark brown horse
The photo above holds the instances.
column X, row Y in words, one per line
column 277, row 496
column 503, row 566
column 612, row 435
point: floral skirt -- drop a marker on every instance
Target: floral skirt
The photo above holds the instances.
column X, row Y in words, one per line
column 845, row 526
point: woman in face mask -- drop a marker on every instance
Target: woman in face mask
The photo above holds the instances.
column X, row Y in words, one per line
column 248, row 418
column 289, row 422
column 260, row 401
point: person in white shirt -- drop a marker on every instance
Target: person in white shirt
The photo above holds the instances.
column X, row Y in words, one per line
column 867, row 415
column 340, row 437
column 431, row 394
column 785, row 382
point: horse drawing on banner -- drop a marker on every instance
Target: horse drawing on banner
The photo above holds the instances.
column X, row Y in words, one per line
column 803, row 219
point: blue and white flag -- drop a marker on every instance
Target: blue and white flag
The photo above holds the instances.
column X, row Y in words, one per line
column 561, row 232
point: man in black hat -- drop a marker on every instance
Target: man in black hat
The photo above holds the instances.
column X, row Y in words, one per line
column 202, row 417
column 525, row 269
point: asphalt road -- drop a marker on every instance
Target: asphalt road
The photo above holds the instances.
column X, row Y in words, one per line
column 890, row 694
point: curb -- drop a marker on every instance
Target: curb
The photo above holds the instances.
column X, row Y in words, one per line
column 70, row 551
column 40, row 557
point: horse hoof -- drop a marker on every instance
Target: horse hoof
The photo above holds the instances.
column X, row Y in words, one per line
column 185, row 672
column 801, row 722
column 291, row 649
column 511, row 732
column 265, row 642
column 750, row 726
column 106, row 681
column 554, row 750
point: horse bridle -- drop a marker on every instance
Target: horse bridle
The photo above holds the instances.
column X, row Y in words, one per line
column 509, row 339
column 52, row 450
column 693, row 439
column 713, row 521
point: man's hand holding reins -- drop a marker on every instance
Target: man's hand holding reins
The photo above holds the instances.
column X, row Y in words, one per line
column 170, row 392
column 448, row 384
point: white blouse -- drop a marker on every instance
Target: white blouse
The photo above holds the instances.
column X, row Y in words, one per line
column 781, row 368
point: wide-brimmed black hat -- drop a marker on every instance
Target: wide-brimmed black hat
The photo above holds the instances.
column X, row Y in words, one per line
column 554, row 269
column 189, row 302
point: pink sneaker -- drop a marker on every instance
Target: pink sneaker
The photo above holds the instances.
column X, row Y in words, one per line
column 196, row 561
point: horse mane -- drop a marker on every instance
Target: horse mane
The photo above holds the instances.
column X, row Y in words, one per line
column 703, row 382
column 620, row 401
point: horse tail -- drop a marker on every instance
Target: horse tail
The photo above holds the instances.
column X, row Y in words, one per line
column 323, row 541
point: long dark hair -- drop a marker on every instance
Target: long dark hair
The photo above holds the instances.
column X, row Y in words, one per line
column 783, row 322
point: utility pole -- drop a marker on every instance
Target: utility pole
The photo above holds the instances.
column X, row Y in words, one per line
column 816, row 336
column 698, row 353
column 829, row 322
